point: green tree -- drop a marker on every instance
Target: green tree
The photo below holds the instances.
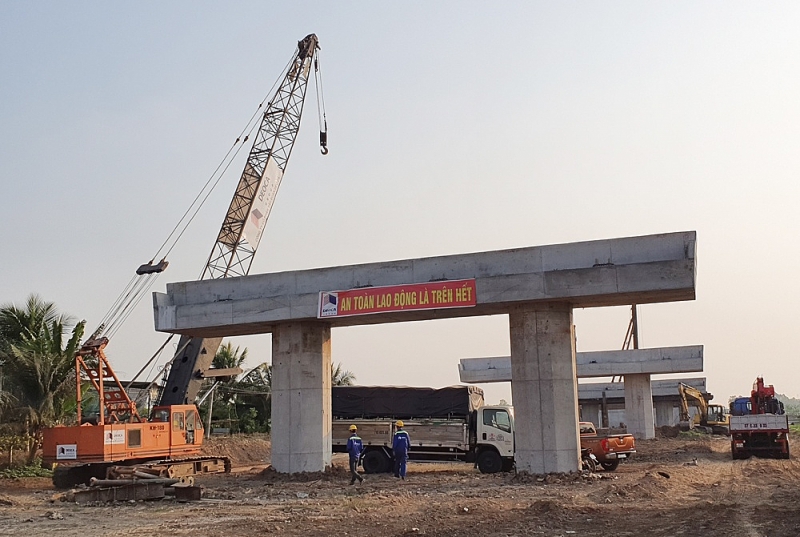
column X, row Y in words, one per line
column 340, row 376
column 19, row 324
column 228, row 357
column 39, row 365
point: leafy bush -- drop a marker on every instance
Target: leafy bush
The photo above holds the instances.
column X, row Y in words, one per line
column 29, row 470
column 692, row 435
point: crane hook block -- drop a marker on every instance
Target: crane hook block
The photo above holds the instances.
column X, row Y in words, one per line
column 323, row 142
column 150, row 268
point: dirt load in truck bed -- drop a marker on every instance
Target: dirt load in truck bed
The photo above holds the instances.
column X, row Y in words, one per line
column 675, row 486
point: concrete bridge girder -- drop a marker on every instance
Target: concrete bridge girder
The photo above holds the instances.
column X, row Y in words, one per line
column 543, row 282
column 636, row 365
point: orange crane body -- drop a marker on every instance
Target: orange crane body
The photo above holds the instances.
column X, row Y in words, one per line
column 180, row 434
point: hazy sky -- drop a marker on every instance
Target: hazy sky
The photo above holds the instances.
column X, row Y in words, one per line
column 453, row 127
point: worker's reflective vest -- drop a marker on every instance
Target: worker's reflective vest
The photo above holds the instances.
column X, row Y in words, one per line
column 354, row 446
column 401, row 443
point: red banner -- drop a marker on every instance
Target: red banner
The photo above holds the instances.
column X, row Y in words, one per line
column 417, row 296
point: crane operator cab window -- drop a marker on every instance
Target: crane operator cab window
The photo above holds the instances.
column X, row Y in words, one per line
column 177, row 421
column 161, row 415
column 497, row 418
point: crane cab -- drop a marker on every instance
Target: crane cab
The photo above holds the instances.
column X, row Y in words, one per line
column 171, row 432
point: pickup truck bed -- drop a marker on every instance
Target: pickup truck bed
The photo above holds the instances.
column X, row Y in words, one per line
column 609, row 449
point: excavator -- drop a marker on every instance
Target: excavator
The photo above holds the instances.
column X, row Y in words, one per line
column 712, row 419
column 167, row 443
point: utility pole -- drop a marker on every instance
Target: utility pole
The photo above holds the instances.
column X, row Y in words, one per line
column 210, row 410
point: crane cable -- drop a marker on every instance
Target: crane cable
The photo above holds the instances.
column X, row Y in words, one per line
column 321, row 116
column 138, row 286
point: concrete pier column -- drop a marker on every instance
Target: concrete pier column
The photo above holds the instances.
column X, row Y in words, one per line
column 544, row 389
column 591, row 412
column 665, row 411
column 639, row 406
column 301, row 397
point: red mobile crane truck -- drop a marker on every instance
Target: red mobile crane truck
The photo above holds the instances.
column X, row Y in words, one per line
column 759, row 425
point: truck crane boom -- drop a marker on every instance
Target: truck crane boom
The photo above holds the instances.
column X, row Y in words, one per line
column 243, row 226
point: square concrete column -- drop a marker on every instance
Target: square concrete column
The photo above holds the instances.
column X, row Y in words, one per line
column 544, row 389
column 665, row 411
column 590, row 412
column 639, row 406
column 301, row 397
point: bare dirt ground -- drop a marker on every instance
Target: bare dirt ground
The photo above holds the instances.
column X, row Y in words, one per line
column 675, row 486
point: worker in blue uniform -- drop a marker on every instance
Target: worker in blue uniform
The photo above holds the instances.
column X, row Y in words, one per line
column 400, row 446
column 354, row 448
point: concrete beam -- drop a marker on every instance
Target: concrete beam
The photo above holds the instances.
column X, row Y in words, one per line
column 688, row 359
column 660, row 388
column 613, row 272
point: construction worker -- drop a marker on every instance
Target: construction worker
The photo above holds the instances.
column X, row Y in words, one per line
column 400, row 446
column 354, row 448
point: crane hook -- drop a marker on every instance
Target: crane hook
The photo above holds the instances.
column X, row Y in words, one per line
column 323, row 142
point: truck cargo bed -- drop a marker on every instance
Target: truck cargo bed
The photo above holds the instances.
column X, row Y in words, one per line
column 402, row 402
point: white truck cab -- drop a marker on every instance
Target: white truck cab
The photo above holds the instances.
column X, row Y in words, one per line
column 495, row 442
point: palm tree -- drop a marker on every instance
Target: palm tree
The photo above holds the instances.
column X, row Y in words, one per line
column 39, row 365
column 259, row 377
column 227, row 357
column 340, row 376
column 18, row 324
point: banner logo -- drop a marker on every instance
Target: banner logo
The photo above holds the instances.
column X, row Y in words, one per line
column 328, row 304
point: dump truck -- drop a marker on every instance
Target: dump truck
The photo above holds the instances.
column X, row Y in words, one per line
column 445, row 424
column 758, row 424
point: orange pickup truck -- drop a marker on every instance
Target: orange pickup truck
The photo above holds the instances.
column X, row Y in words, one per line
column 609, row 449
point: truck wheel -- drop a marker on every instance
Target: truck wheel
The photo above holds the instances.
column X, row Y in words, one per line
column 375, row 462
column 610, row 466
column 489, row 462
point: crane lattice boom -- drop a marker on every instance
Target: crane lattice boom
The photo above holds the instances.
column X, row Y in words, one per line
column 238, row 239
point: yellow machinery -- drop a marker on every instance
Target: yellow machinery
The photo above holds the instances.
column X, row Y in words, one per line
column 711, row 418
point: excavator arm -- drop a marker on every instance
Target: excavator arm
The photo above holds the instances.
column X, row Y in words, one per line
column 688, row 392
column 243, row 226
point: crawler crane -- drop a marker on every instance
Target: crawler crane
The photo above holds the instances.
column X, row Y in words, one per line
column 168, row 442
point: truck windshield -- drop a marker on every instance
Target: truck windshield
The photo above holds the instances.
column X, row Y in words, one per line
column 497, row 418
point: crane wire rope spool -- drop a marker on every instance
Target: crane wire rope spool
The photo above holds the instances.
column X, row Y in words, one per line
column 296, row 74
